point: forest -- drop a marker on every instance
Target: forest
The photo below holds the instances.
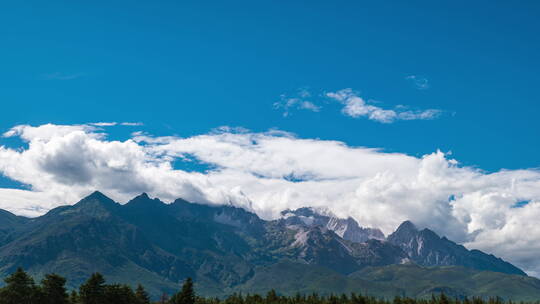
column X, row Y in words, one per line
column 20, row 288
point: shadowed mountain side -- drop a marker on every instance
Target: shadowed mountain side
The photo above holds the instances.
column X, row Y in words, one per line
column 219, row 246
column 9, row 225
column 426, row 248
column 224, row 248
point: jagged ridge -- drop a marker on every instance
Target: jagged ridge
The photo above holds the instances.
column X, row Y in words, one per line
column 223, row 247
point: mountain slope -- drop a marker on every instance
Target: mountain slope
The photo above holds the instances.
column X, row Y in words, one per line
column 347, row 228
column 165, row 243
column 10, row 224
column 76, row 241
column 426, row 248
column 455, row 281
column 320, row 246
column 290, row 278
column 224, row 248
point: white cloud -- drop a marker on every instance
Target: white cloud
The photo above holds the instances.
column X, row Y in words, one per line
column 272, row 171
column 112, row 124
column 49, row 131
column 132, row 124
column 26, row 203
column 103, row 124
column 425, row 114
column 355, row 106
column 419, row 82
column 298, row 102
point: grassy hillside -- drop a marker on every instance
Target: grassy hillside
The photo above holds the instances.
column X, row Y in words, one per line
column 290, row 278
column 414, row 281
column 455, row 281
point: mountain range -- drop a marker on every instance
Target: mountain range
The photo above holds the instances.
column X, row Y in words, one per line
column 228, row 249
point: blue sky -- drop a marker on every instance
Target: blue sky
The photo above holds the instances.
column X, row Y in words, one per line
column 408, row 77
column 186, row 68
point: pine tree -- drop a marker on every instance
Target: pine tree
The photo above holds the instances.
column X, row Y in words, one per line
column 53, row 290
column 74, row 297
column 19, row 289
column 141, row 295
column 186, row 295
column 443, row 299
column 272, row 297
column 93, row 290
column 118, row 294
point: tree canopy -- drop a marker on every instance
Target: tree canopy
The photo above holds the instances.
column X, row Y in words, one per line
column 20, row 288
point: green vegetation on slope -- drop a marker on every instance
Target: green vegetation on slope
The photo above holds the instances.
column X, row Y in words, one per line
column 291, row 278
column 21, row 289
column 227, row 249
column 456, row 281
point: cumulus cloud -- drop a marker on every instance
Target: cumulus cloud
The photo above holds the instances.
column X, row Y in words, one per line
column 271, row 171
column 356, row 107
column 421, row 83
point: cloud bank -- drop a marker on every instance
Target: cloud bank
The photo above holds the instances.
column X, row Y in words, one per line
column 271, row 171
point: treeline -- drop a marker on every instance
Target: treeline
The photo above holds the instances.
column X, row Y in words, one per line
column 20, row 288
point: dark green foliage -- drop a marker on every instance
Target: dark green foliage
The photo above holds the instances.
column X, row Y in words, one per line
column 272, row 297
column 186, row 295
column 74, row 297
column 19, row 289
column 118, row 294
column 460, row 282
column 141, row 296
column 53, row 290
column 93, row 290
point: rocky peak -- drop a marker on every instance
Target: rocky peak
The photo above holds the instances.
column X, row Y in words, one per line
column 404, row 233
column 348, row 228
column 144, row 200
column 221, row 244
column 426, row 248
column 407, row 226
column 96, row 196
column 239, row 218
column 143, row 195
column 96, row 203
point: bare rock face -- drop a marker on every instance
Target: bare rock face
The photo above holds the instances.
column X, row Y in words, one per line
column 347, row 229
column 426, row 248
column 222, row 247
